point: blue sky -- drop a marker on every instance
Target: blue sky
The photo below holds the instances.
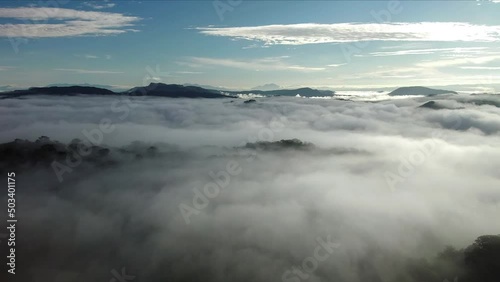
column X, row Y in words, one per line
column 242, row 44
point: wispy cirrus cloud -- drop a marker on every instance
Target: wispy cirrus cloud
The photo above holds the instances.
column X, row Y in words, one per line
column 99, row 4
column 479, row 68
column 92, row 57
column 270, row 63
column 479, row 2
column 478, row 60
column 84, row 71
column 67, row 22
column 88, row 56
column 457, row 50
column 189, row 72
column 335, row 65
column 313, row 33
column 4, row 68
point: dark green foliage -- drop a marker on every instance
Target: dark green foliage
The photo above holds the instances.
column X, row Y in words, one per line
column 480, row 262
column 482, row 259
column 432, row 105
column 481, row 102
column 289, row 144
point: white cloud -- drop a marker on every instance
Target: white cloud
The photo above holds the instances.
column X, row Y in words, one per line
column 253, row 46
column 84, row 71
column 479, row 2
column 189, row 72
column 459, row 61
column 335, row 65
column 73, row 22
column 312, row 33
column 387, row 72
column 99, row 4
column 91, row 56
column 4, row 68
column 480, row 68
column 458, row 50
column 271, row 63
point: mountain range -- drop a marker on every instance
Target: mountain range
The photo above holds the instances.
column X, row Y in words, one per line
column 161, row 90
column 183, row 91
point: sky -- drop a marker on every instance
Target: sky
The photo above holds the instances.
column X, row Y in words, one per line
column 242, row 44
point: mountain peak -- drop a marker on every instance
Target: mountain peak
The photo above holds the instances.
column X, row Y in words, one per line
column 267, row 87
column 419, row 90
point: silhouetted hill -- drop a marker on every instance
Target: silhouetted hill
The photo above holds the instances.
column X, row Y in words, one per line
column 24, row 154
column 210, row 87
column 55, row 90
column 419, row 90
column 153, row 89
column 162, row 90
column 175, row 91
column 267, row 87
column 103, row 86
column 432, row 105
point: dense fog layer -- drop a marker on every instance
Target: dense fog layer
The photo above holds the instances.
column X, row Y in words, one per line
column 203, row 189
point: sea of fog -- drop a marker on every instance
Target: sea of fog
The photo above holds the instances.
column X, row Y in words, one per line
column 203, row 189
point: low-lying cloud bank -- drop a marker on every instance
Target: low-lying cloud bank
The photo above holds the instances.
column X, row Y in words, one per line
column 204, row 190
